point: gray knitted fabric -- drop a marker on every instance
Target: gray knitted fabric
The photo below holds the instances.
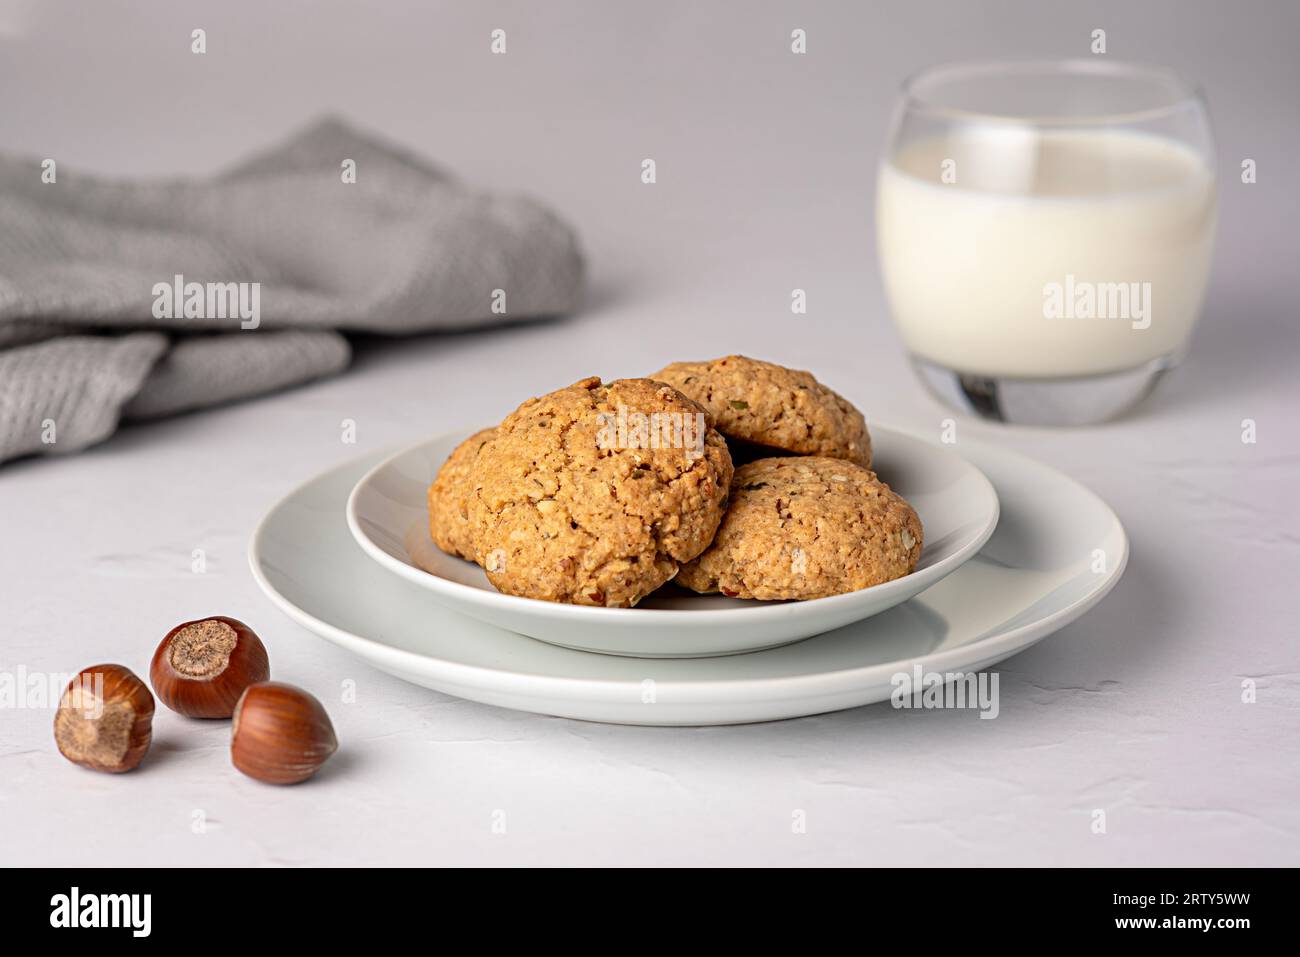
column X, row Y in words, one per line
column 402, row 249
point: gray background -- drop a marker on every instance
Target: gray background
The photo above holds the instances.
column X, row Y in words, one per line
column 766, row 164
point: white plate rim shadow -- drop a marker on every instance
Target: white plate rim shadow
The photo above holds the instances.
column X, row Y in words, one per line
column 466, row 658
column 387, row 516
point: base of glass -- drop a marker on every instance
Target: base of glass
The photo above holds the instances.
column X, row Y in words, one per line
column 1082, row 400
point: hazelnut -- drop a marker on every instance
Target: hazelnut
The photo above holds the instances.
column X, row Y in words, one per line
column 202, row 667
column 105, row 719
column 281, row 734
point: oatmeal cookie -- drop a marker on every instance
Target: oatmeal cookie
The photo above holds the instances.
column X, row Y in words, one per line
column 448, row 523
column 807, row 527
column 596, row 494
column 769, row 405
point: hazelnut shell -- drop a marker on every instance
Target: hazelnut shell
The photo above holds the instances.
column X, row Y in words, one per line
column 202, row 667
column 105, row 719
column 281, row 734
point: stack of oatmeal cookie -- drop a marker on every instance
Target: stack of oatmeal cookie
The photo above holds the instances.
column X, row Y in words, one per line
column 600, row 493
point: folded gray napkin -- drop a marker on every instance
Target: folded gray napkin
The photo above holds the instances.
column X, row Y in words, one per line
column 142, row 299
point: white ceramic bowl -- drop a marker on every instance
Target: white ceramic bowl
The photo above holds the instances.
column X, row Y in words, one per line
column 387, row 513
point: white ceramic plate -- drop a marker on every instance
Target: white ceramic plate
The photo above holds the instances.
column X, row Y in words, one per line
column 1036, row 574
column 388, row 515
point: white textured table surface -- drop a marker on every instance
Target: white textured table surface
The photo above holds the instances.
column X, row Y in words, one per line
column 765, row 185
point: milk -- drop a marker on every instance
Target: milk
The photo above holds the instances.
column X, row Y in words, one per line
column 1029, row 253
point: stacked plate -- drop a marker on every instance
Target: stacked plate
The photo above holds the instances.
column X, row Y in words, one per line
column 1013, row 551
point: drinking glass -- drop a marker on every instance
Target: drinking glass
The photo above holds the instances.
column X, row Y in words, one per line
column 1045, row 231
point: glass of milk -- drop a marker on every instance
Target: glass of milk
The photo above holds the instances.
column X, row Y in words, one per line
column 1045, row 232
